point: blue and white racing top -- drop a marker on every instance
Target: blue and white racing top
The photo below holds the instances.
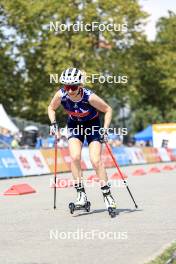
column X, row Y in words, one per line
column 79, row 110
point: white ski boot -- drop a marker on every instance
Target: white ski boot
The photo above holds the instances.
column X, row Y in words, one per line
column 109, row 200
column 81, row 201
column 81, row 198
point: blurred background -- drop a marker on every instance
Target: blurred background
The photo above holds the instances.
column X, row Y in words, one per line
column 30, row 52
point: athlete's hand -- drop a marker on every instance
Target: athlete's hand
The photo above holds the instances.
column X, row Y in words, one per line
column 54, row 129
column 104, row 137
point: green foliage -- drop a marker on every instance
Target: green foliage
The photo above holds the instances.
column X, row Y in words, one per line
column 166, row 256
column 30, row 52
column 155, row 91
column 11, row 82
column 47, row 52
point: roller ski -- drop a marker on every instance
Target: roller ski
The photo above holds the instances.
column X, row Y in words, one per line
column 109, row 201
column 81, row 202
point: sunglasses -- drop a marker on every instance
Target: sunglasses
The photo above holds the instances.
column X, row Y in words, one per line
column 71, row 87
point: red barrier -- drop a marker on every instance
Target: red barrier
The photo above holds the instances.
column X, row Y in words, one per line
column 20, row 189
column 154, row 170
column 139, row 172
column 168, row 167
column 93, row 178
column 116, row 176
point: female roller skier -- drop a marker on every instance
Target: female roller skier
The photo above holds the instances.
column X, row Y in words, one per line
column 82, row 106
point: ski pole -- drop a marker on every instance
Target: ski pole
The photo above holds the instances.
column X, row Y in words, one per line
column 121, row 175
column 55, row 169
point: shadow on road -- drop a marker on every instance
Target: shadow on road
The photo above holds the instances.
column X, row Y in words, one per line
column 127, row 210
column 118, row 211
column 91, row 212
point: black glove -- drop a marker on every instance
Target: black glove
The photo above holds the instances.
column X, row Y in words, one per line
column 104, row 137
column 53, row 129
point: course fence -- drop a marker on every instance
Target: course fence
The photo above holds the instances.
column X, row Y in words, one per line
column 26, row 162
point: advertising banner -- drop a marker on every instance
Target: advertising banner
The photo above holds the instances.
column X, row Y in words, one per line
column 164, row 135
column 151, row 154
column 15, row 163
column 49, row 156
column 66, row 156
column 31, row 162
column 136, row 155
column 106, row 158
column 67, row 159
column 164, row 154
column 8, row 164
column 121, row 155
column 172, row 154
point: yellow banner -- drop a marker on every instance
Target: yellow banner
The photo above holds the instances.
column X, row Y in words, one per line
column 48, row 155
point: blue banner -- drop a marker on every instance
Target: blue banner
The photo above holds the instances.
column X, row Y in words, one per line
column 173, row 154
column 121, row 156
column 8, row 164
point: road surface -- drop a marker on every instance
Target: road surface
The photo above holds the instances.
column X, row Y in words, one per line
column 31, row 232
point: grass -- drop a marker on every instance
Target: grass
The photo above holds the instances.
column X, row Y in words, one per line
column 165, row 256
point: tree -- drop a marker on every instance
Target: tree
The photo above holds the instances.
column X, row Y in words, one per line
column 11, row 83
column 154, row 94
column 44, row 52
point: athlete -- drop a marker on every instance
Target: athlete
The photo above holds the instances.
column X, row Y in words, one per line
column 82, row 106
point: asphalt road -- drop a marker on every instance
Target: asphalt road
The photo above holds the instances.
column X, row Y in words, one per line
column 31, row 232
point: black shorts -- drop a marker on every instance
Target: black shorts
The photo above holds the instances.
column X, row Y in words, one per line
column 88, row 130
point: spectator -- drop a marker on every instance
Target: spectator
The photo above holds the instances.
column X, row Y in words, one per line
column 14, row 143
column 39, row 141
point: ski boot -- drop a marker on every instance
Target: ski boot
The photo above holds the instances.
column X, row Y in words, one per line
column 109, row 201
column 81, row 201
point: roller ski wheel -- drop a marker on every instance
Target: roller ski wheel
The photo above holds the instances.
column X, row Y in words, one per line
column 87, row 206
column 112, row 212
column 74, row 207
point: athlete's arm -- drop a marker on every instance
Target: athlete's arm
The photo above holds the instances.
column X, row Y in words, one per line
column 101, row 106
column 55, row 103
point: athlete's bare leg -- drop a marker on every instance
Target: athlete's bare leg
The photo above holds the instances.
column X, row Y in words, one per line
column 75, row 147
column 95, row 149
